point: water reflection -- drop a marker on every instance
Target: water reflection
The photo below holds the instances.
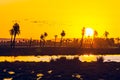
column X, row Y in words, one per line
column 47, row 58
column 77, row 75
column 7, row 79
column 88, row 58
column 109, row 58
column 11, row 72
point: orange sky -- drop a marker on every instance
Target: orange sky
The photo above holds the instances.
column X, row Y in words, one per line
column 52, row 16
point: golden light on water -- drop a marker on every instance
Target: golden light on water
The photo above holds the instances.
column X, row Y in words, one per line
column 46, row 58
column 88, row 58
column 7, row 58
column 8, row 79
column 11, row 72
column 25, row 58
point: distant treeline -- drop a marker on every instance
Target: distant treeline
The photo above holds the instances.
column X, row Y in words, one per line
column 87, row 43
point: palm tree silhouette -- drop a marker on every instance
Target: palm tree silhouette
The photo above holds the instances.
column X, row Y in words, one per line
column 42, row 37
column 83, row 33
column 62, row 35
column 13, row 32
column 118, row 41
column 41, row 40
column 95, row 34
column 45, row 35
column 55, row 40
column 106, row 34
column 30, row 42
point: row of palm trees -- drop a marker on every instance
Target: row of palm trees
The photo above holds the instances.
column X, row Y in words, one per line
column 43, row 36
column 94, row 35
column 16, row 31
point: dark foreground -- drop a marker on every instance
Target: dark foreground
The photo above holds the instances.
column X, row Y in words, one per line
column 57, row 51
column 60, row 70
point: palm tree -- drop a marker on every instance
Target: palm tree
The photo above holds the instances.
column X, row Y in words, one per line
column 106, row 34
column 30, row 42
column 55, row 40
column 83, row 33
column 94, row 37
column 62, row 35
column 42, row 37
column 41, row 40
column 95, row 33
column 45, row 34
column 11, row 33
column 118, row 41
column 16, row 29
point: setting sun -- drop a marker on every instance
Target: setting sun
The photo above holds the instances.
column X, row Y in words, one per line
column 89, row 32
column 49, row 16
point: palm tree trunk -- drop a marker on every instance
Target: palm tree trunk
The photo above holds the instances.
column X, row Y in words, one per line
column 81, row 43
column 14, row 41
column 11, row 41
column 40, row 43
column 61, row 41
column 55, row 43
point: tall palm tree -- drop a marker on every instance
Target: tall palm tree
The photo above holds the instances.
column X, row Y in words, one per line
column 62, row 35
column 45, row 35
column 95, row 34
column 106, row 34
column 16, row 30
column 41, row 40
column 83, row 33
column 11, row 33
column 55, row 40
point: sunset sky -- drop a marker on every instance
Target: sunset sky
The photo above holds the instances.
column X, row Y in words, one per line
column 52, row 16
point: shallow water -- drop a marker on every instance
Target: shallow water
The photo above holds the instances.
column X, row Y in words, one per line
column 47, row 58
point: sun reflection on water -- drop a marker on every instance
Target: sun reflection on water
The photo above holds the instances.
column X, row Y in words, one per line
column 7, row 79
column 88, row 58
column 47, row 58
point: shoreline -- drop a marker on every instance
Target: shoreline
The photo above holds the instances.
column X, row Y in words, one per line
column 57, row 51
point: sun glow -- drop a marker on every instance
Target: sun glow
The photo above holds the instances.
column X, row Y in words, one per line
column 49, row 16
column 89, row 32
